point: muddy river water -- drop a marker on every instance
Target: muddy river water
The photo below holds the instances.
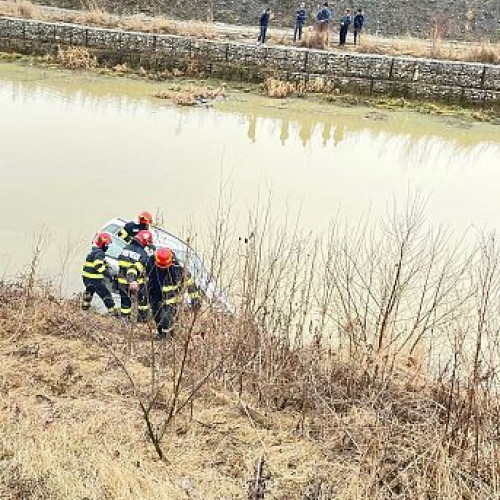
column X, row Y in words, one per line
column 78, row 149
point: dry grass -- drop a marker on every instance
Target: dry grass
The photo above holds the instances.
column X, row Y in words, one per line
column 76, row 58
column 279, row 89
column 482, row 51
column 70, row 427
column 192, row 95
column 352, row 416
column 20, row 8
column 94, row 14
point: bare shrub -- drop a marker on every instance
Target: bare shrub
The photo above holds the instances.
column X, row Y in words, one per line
column 278, row 89
column 76, row 58
column 366, row 358
column 314, row 38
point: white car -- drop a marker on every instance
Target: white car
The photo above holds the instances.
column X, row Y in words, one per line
column 183, row 251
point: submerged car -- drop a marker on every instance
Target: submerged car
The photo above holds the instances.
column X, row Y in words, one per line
column 183, row 251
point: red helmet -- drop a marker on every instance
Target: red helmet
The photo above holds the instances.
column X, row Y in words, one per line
column 145, row 238
column 145, row 218
column 164, row 257
column 103, row 239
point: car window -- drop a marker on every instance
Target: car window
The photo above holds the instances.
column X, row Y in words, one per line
column 112, row 229
column 116, row 247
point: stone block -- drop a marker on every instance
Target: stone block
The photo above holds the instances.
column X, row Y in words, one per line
column 165, row 44
column 130, row 41
column 317, row 61
column 97, row 38
column 336, row 65
column 492, row 77
column 403, row 69
column 367, row 66
column 4, row 27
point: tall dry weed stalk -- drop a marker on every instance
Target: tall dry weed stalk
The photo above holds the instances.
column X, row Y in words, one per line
column 400, row 293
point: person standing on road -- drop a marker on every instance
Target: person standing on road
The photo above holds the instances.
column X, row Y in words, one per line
column 300, row 20
column 323, row 18
column 345, row 21
column 359, row 21
column 264, row 24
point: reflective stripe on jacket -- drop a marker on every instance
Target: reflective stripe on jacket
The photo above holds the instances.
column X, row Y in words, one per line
column 132, row 263
column 95, row 265
column 169, row 285
column 130, row 230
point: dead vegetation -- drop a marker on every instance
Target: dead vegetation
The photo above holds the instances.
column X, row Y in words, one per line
column 20, row 8
column 482, row 51
column 192, row 95
column 360, row 366
column 279, row 89
column 76, row 58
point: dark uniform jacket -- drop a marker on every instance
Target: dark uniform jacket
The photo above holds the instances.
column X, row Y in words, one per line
column 345, row 20
column 167, row 286
column 132, row 263
column 264, row 19
column 301, row 17
column 359, row 20
column 130, row 230
column 325, row 15
column 95, row 266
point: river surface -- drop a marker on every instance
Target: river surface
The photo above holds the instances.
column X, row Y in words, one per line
column 77, row 149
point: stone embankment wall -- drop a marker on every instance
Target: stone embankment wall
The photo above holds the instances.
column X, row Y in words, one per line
column 453, row 19
column 431, row 80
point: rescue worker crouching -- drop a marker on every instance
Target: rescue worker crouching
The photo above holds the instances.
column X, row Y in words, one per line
column 131, row 229
column 132, row 264
column 94, row 271
column 168, row 280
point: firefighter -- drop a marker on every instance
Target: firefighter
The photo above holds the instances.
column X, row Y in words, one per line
column 168, row 280
column 132, row 228
column 132, row 264
column 94, row 271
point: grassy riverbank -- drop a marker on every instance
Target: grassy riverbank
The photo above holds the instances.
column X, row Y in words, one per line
column 358, row 364
column 288, row 423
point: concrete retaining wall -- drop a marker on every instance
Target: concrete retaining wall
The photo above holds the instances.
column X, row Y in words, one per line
column 452, row 82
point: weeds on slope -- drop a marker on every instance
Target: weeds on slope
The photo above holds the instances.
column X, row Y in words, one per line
column 374, row 348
